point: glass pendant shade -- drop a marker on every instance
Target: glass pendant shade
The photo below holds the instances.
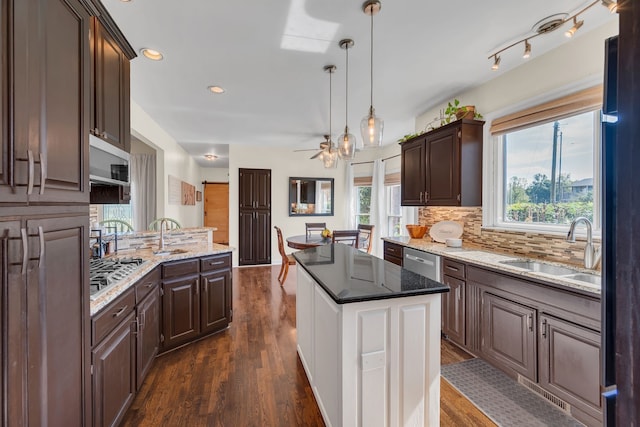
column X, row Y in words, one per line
column 371, row 128
column 330, row 158
column 347, row 145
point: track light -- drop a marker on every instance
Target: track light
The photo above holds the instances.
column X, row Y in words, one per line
column 496, row 62
column 611, row 5
column 576, row 25
column 527, row 49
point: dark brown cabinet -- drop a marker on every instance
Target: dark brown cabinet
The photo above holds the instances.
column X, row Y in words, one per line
column 393, row 253
column 215, row 307
column 568, row 357
column 454, row 302
column 443, row 167
column 181, row 310
column 110, row 118
column 255, row 216
column 148, row 333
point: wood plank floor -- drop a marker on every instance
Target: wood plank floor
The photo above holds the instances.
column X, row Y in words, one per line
column 250, row 375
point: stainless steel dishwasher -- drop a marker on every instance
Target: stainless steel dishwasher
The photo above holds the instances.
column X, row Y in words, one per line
column 422, row 263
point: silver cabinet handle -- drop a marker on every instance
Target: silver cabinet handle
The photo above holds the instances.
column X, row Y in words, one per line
column 205, row 283
column 25, row 250
column 41, row 236
column 119, row 312
column 421, row 260
column 544, row 328
column 31, row 163
column 43, row 172
column 530, row 322
column 216, row 263
column 458, row 293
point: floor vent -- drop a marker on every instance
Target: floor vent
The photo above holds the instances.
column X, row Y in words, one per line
column 544, row 393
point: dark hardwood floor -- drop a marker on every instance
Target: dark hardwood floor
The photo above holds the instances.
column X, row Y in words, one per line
column 250, row 374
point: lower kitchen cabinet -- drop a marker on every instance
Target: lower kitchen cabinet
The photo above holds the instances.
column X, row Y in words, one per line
column 393, row 253
column 215, row 309
column 148, row 334
column 453, row 310
column 180, row 310
column 568, row 357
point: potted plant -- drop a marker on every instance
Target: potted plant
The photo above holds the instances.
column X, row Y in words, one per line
column 456, row 111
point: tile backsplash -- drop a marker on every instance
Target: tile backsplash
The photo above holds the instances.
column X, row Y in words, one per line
column 533, row 245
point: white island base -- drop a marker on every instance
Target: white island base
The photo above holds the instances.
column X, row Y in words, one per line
column 371, row 363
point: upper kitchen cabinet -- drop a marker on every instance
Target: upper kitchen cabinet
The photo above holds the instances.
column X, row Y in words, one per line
column 45, row 102
column 110, row 118
column 443, row 167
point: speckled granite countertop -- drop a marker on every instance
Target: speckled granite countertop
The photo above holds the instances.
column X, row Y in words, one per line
column 100, row 299
column 491, row 260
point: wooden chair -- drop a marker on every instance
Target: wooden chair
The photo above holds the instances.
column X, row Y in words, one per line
column 118, row 225
column 315, row 226
column 366, row 237
column 347, row 237
column 287, row 260
column 172, row 224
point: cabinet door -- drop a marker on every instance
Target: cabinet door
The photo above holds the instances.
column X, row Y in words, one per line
column 148, row 337
column 508, row 335
column 114, row 379
column 181, row 311
column 111, row 90
column 214, row 309
column 262, row 194
column 58, row 320
column 413, row 173
column 453, row 310
column 570, row 364
column 60, row 151
column 247, row 238
column 263, row 237
column 246, row 186
column 443, row 170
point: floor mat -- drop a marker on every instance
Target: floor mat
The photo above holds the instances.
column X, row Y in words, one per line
column 502, row 399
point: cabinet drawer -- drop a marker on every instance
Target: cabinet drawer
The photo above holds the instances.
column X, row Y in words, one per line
column 146, row 284
column 393, row 250
column 215, row 262
column 393, row 259
column 108, row 318
column 180, row 268
column 454, row 269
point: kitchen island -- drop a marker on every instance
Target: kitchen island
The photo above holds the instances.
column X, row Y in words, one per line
column 368, row 336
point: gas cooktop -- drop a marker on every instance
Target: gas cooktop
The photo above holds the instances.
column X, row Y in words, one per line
column 108, row 271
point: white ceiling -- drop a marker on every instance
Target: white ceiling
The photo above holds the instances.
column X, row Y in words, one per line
column 269, row 56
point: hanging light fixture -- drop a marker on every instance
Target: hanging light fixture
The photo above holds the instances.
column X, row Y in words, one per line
column 371, row 127
column 329, row 156
column 346, row 141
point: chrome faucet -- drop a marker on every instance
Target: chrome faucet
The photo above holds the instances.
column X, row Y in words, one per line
column 163, row 223
column 591, row 253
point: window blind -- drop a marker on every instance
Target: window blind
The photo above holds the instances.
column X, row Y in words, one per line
column 366, row 181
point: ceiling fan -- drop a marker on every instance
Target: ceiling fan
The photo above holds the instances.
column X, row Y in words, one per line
column 324, row 147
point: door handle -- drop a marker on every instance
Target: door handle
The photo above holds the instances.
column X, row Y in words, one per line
column 25, row 250
column 119, row 312
column 31, row 163
column 43, row 172
column 530, row 322
column 41, row 237
column 544, row 328
column 205, row 283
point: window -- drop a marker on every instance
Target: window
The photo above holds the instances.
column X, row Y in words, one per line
column 363, row 204
column 394, row 210
column 549, row 172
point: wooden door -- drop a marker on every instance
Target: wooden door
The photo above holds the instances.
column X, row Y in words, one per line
column 246, row 184
column 263, row 237
column 255, row 216
column 413, row 173
column 58, row 320
column 247, row 224
column 214, row 309
column 262, row 189
column 443, row 171
column 148, row 337
column 216, row 210
column 180, row 310
column 114, row 379
column 453, row 310
column 569, row 361
column 508, row 335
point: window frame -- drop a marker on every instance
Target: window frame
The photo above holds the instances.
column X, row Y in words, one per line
column 387, row 189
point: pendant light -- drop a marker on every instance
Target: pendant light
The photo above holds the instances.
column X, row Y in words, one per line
column 371, row 126
column 346, row 141
column 330, row 155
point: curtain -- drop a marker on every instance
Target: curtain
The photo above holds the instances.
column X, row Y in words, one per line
column 350, row 200
column 143, row 189
column 378, row 208
column 409, row 216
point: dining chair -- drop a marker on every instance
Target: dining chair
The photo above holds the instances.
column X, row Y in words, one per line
column 119, row 225
column 347, row 237
column 315, row 226
column 287, row 260
column 366, row 237
column 172, row 224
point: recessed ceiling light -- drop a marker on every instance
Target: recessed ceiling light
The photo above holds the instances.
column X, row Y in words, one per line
column 151, row 54
column 216, row 89
column 210, row 157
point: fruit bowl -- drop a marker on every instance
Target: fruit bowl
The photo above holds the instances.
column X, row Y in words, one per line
column 417, row 231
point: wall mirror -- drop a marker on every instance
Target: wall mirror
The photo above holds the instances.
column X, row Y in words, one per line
column 310, row 196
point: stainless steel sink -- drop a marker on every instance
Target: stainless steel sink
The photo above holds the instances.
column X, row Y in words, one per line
column 539, row 267
column 170, row 252
column 584, row 277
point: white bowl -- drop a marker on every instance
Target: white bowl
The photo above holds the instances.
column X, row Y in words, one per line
column 453, row 243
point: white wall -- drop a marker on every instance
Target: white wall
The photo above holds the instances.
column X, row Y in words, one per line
column 214, row 174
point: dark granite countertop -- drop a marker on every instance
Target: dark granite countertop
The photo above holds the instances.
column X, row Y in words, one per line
column 349, row 275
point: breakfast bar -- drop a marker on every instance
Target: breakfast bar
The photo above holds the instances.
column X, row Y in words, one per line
column 368, row 336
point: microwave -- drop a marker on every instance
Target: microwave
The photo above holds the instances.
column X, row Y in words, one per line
column 107, row 164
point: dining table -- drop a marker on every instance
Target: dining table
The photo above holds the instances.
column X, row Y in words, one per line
column 303, row 241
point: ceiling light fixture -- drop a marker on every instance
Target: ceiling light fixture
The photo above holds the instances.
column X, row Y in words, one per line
column 210, row 157
column 216, row 89
column 346, row 141
column 329, row 156
column 371, row 127
column 548, row 25
column 152, row 54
